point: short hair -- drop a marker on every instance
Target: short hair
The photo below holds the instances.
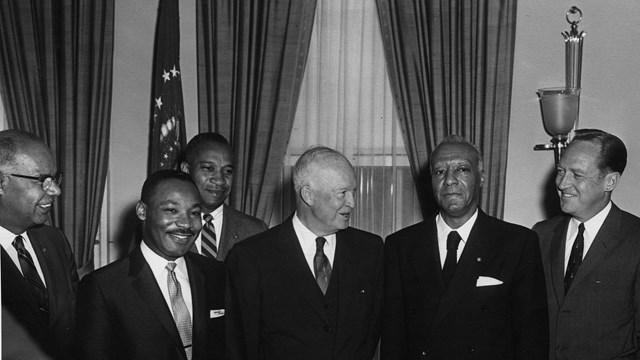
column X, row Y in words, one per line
column 12, row 142
column 312, row 155
column 200, row 140
column 459, row 139
column 154, row 180
column 613, row 153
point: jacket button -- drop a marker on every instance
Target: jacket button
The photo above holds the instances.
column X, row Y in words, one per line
column 484, row 308
column 326, row 328
column 470, row 350
column 559, row 347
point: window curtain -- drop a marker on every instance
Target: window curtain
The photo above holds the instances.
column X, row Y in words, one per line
column 346, row 104
column 251, row 58
column 450, row 66
column 55, row 81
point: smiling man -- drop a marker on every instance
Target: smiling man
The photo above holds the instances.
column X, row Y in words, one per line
column 39, row 277
column 462, row 284
column 311, row 287
column 591, row 255
column 208, row 159
column 162, row 301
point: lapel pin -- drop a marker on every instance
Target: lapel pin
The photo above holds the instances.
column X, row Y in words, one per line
column 479, row 259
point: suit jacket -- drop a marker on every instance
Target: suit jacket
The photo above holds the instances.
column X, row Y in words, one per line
column 279, row 312
column 123, row 315
column 423, row 320
column 236, row 226
column 599, row 317
column 61, row 277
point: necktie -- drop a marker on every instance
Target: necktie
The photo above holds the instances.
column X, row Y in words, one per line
column 209, row 239
column 321, row 265
column 35, row 284
column 450, row 262
column 575, row 259
column 179, row 309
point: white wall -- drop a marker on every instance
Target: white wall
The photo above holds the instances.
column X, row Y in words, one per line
column 135, row 22
column 609, row 98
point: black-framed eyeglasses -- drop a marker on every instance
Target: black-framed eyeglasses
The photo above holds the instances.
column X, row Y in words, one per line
column 46, row 180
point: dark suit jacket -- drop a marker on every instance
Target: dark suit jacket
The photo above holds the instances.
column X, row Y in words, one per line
column 237, row 226
column 61, row 277
column 423, row 320
column 599, row 318
column 123, row 315
column 282, row 312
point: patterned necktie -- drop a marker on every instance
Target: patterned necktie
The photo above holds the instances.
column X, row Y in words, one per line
column 575, row 259
column 179, row 309
column 209, row 239
column 34, row 282
column 321, row 265
column 450, row 262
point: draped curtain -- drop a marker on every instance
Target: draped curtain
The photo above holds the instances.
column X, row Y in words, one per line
column 346, row 104
column 55, row 81
column 251, row 58
column 450, row 66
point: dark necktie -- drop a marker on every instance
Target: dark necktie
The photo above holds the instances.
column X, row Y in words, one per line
column 34, row 282
column 450, row 262
column 321, row 265
column 179, row 309
column 575, row 259
column 209, row 239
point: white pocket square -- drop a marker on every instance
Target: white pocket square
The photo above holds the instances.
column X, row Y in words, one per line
column 487, row 281
column 216, row 313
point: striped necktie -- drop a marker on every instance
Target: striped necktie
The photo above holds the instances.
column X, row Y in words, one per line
column 30, row 273
column 209, row 238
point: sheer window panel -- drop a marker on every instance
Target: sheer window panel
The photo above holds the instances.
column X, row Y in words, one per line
column 346, row 104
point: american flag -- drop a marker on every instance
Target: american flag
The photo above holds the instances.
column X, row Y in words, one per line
column 167, row 119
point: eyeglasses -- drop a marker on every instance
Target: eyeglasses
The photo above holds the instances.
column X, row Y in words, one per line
column 46, row 180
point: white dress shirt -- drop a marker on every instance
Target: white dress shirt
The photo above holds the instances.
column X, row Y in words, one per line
column 158, row 266
column 443, row 233
column 591, row 228
column 6, row 240
column 307, row 241
column 217, row 223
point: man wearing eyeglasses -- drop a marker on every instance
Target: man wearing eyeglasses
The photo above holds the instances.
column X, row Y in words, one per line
column 39, row 277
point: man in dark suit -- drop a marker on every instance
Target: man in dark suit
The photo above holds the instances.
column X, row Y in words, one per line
column 591, row 255
column 162, row 301
column 311, row 287
column 208, row 159
column 462, row 284
column 39, row 277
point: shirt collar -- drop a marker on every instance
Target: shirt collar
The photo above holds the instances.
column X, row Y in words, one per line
column 593, row 225
column 158, row 263
column 307, row 236
column 463, row 231
column 217, row 213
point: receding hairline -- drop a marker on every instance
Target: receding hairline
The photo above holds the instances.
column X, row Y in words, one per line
column 321, row 157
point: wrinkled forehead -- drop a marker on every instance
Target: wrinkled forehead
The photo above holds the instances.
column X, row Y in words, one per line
column 455, row 153
column 35, row 158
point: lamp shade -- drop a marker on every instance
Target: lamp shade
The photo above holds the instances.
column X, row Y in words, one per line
column 559, row 107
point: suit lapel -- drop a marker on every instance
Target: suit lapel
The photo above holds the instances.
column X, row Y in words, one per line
column 198, row 297
column 144, row 282
column 426, row 258
column 608, row 237
column 557, row 248
column 13, row 279
column 46, row 264
column 479, row 250
column 294, row 265
column 228, row 234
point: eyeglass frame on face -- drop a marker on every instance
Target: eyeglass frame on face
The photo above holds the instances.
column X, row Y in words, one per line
column 57, row 179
